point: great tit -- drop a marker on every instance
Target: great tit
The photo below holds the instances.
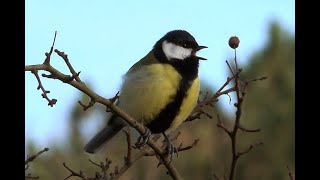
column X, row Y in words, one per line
column 159, row 91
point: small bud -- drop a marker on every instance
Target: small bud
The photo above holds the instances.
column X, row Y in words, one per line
column 234, row 42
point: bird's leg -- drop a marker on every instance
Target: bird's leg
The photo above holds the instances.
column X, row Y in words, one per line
column 142, row 140
column 170, row 148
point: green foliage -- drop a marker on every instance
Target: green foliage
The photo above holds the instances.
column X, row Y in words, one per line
column 269, row 105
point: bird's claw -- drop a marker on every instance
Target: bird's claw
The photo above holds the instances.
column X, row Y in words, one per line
column 143, row 139
column 170, row 149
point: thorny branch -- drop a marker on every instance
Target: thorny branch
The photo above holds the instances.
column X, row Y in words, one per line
column 127, row 158
column 103, row 166
column 240, row 88
column 51, row 102
column 30, row 159
column 290, row 174
column 73, row 173
column 208, row 101
column 128, row 162
column 76, row 82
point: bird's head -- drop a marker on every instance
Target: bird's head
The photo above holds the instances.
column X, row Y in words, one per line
column 177, row 45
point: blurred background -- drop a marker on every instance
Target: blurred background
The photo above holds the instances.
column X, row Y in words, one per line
column 103, row 39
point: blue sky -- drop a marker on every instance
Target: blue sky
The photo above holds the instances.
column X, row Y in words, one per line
column 105, row 38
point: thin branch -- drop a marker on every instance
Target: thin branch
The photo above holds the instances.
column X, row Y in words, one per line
column 99, row 99
column 229, row 79
column 248, row 130
column 44, row 95
column 257, row 79
column 127, row 159
column 94, row 163
column 48, row 55
column 226, row 91
column 240, row 94
column 85, row 107
column 50, row 76
column 290, row 174
column 221, row 125
column 174, row 138
column 31, row 177
column 103, row 166
column 179, row 149
column 198, row 110
column 249, row 149
column 31, row 158
column 115, row 97
column 215, row 176
column 237, row 121
column 73, row 173
column 235, row 57
column 135, row 158
column 230, row 68
column 65, row 58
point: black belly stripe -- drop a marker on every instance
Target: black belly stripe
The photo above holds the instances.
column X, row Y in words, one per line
column 167, row 115
column 188, row 71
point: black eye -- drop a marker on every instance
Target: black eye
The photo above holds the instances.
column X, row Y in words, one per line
column 185, row 45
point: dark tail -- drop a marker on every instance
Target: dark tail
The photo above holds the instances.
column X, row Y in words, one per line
column 104, row 136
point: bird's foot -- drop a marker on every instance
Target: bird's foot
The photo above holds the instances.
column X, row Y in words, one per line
column 170, row 148
column 143, row 139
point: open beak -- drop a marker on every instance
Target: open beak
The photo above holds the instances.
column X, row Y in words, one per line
column 198, row 49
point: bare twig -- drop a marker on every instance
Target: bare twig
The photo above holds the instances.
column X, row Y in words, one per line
column 257, row 79
column 99, row 165
column 290, row 174
column 85, row 107
column 115, row 97
column 174, row 138
column 65, row 58
column 51, row 102
column 249, row 149
column 235, row 58
column 248, row 130
column 31, row 177
column 236, row 124
column 48, row 55
column 31, row 158
column 113, row 100
column 221, row 125
column 179, row 149
column 240, row 92
column 198, row 110
column 240, row 89
column 127, row 159
column 135, row 158
column 73, row 173
column 230, row 68
column 103, row 166
column 99, row 99
column 215, row 176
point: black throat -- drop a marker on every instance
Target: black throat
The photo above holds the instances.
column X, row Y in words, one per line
column 188, row 69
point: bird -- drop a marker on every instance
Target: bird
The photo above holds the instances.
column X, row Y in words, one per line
column 159, row 91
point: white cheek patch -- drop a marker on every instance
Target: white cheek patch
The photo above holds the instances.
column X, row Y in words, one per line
column 173, row 51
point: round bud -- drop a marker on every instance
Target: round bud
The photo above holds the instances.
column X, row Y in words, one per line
column 234, row 42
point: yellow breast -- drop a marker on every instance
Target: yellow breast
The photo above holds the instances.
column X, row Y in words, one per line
column 188, row 103
column 146, row 92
